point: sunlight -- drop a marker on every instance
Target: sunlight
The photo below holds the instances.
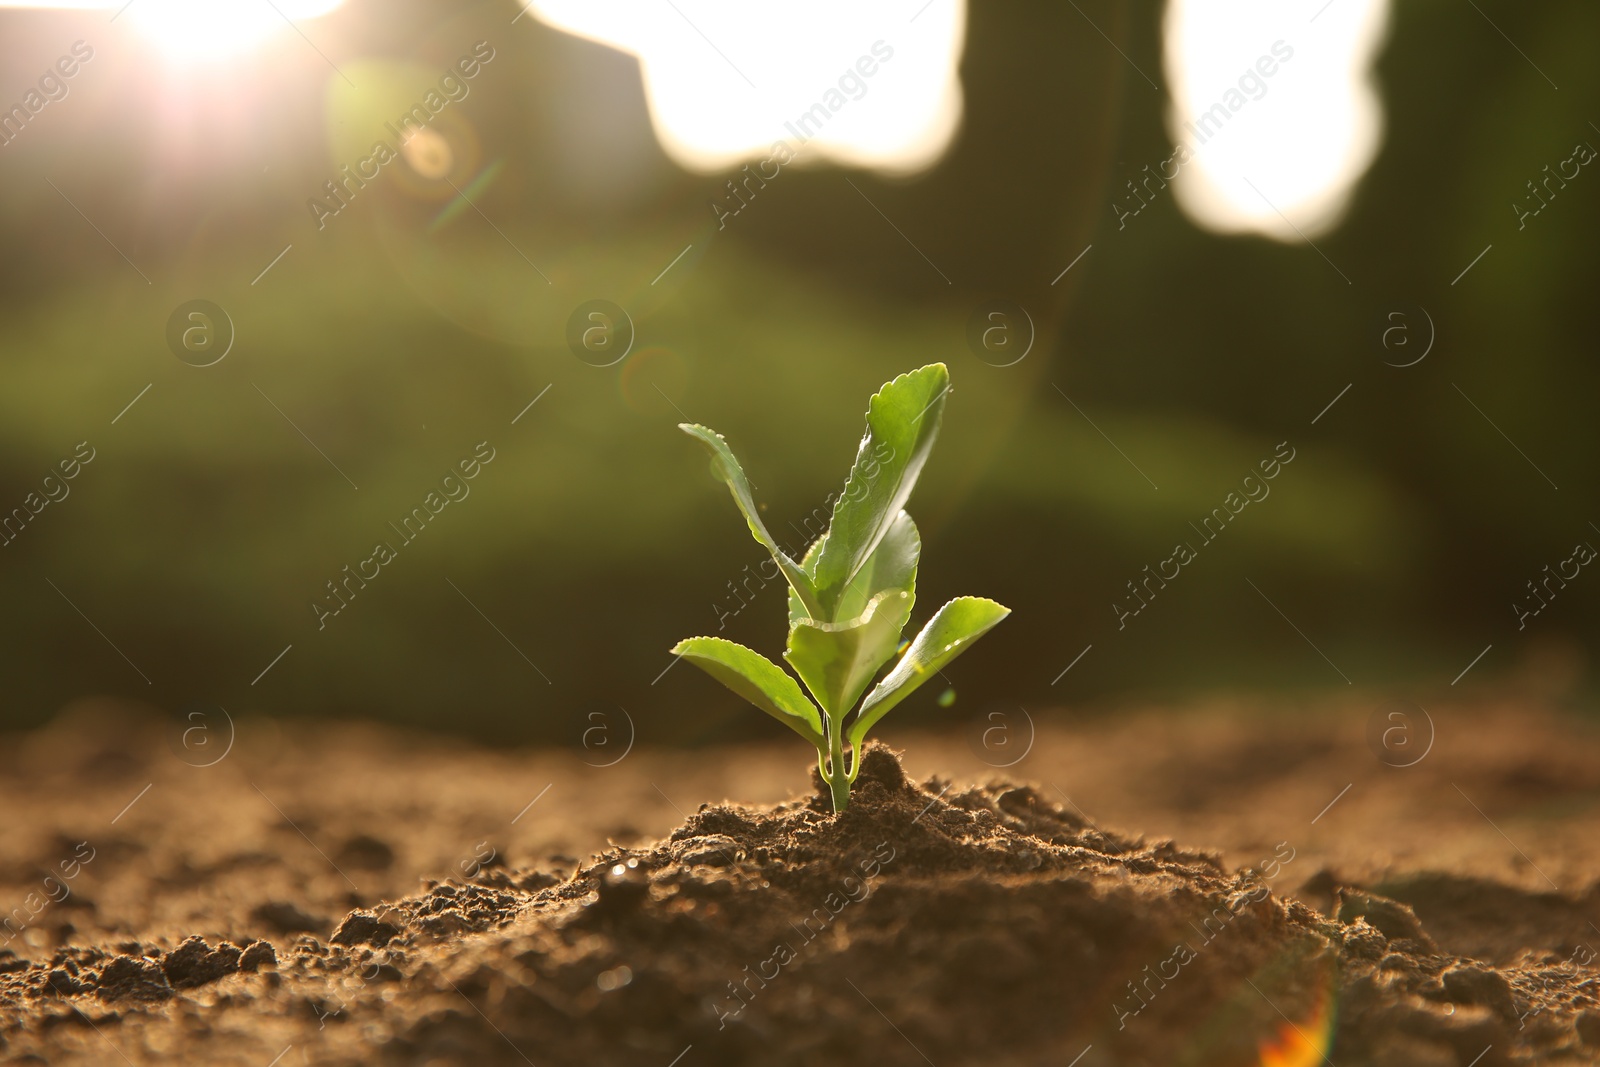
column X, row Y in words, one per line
column 725, row 81
column 1277, row 108
column 203, row 31
column 214, row 30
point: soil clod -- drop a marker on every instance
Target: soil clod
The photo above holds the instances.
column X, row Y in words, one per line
column 361, row 927
column 365, row 852
column 256, row 956
column 194, row 963
column 132, row 978
column 283, row 917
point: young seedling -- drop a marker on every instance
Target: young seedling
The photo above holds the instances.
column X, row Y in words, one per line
column 851, row 594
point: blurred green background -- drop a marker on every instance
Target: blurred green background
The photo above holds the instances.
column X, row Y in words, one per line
column 406, row 332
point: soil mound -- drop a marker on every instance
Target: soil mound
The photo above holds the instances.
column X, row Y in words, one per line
column 925, row 925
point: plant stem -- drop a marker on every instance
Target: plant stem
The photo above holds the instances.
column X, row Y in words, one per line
column 838, row 780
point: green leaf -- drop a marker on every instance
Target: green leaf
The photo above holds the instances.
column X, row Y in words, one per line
column 892, row 565
column 725, row 467
column 757, row 679
column 902, row 422
column 808, row 563
column 950, row 632
column 837, row 660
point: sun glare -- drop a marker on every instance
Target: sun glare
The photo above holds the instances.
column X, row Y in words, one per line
column 725, row 80
column 1271, row 103
column 202, row 31
column 212, row 30
column 1276, row 107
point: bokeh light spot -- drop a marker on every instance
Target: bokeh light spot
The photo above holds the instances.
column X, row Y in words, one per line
column 1277, row 107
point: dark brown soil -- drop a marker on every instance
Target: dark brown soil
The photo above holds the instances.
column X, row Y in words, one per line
column 929, row 924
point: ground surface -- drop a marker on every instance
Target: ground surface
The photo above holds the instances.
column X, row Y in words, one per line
column 1153, row 889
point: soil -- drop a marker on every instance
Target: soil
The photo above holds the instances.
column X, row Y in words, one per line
column 267, row 909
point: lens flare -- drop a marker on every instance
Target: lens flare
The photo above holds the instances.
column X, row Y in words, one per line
column 467, row 197
column 654, row 382
column 1303, row 1044
column 429, row 154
